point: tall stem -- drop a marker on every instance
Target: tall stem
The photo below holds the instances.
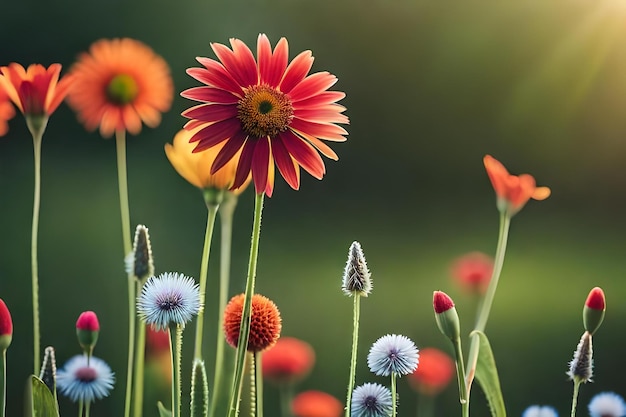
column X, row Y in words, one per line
column 120, row 147
column 485, row 308
column 394, row 395
column 3, row 382
column 37, row 133
column 425, row 405
column 140, row 354
column 286, row 397
column 176, row 347
column 246, row 313
column 258, row 379
column 575, row 397
column 223, row 361
column 253, row 375
column 460, row 374
column 204, row 268
column 355, row 342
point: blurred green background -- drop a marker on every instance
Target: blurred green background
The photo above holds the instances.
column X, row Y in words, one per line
column 432, row 86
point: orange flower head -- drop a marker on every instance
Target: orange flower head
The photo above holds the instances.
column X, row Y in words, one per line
column 265, row 325
column 7, row 111
column 288, row 361
column 119, row 84
column 36, row 90
column 512, row 191
column 195, row 167
column 435, row 372
column 472, row 272
column 316, row 404
column 268, row 109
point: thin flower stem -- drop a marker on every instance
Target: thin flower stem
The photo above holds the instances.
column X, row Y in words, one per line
column 204, row 268
column 87, row 408
column 253, row 393
column 575, row 397
column 140, row 354
column 246, row 313
column 176, row 345
column 460, row 374
column 120, row 147
column 485, row 308
column 355, row 343
column 37, row 139
column 259, row 384
column 286, row 397
column 81, row 406
column 425, row 405
column 223, row 364
column 394, row 395
column 3, row 383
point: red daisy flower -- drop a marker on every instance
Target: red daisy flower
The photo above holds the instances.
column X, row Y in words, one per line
column 269, row 110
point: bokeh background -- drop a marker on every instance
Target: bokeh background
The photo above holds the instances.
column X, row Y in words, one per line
column 431, row 87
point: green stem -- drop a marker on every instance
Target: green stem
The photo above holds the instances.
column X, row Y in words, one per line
column 246, row 313
column 176, row 345
column 575, row 397
column 81, row 406
column 37, row 134
column 258, row 369
column 253, row 394
column 355, row 342
column 460, row 374
column 485, row 307
column 140, row 353
column 221, row 377
column 394, row 395
column 204, row 268
column 87, row 408
column 425, row 405
column 286, row 397
column 122, row 181
column 3, row 383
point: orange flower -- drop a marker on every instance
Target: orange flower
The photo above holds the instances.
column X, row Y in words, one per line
column 36, row 91
column 6, row 111
column 316, row 404
column 195, row 167
column 513, row 191
column 472, row 271
column 434, row 373
column 265, row 325
column 118, row 85
column 288, row 361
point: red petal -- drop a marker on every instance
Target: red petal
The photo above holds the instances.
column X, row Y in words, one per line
column 211, row 112
column 322, row 99
column 245, row 163
column 272, row 66
column 312, row 85
column 260, row 163
column 323, row 115
column 296, row 71
column 215, row 133
column 304, row 154
column 319, row 130
column 321, row 146
column 285, row 163
column 236, row 64
column 210, row 95
column 214, row 74
column 228, row 151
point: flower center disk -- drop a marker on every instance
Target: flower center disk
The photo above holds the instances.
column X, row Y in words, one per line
column 122, row 89
column 264, row 111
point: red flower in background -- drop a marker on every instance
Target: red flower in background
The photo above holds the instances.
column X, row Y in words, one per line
column 434, row 373
column 316, row 404
column 288, row 361
column 7, row 111
column 472, row 272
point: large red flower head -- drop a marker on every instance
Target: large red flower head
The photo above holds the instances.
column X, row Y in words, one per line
column 269, row 109
column 36, row 90
column 316, row 404
column 512, row 191
column 472, row 272
column 119, row 84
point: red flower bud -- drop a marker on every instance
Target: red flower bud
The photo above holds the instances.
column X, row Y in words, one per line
column 442, row 302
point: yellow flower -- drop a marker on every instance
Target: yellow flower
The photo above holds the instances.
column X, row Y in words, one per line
column 195, row 167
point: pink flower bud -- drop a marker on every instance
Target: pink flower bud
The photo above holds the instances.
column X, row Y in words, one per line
column 88, row 321
column 442, row 302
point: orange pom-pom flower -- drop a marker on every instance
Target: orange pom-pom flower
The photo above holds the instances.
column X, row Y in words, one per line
column 265, row 325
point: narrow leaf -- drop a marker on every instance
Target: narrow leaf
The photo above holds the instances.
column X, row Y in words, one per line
column 487, row 376
column 40, row 402
column 199, row 390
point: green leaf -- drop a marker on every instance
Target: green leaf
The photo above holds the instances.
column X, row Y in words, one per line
column 163, row 412
column 487, row 376
column 40, row 402
column 199, row 390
